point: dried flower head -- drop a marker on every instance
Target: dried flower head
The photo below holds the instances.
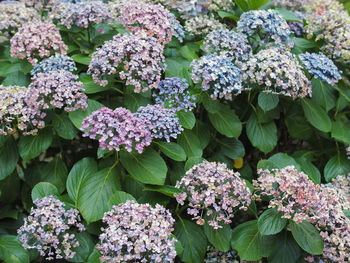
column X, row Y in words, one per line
column 137, row 58
column 35, row 41
column 173, row 93
column 202, row 25
column 48, row 229
column 137, row 233
column 218, row 75
column 54, row 63
column 214, row 192
column 229, row 44
column 269, row 25
column 321, row 67
column 16, row 114
column 85, row 13
column 161, row 122
column 277, row 71
column 58, row 89
column 116, row 128
column 15, row 14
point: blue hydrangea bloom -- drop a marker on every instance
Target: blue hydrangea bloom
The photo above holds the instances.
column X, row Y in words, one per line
column 321, row 67
column 218, row 75
column 173, row 93
column 54, row 63
column 269, row 25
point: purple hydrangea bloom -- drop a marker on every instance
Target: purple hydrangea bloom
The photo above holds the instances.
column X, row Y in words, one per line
column 116, row 128
column 173, row 93
column 321, row 67
column 162, row 123
column 296, row 27
column 54, row 63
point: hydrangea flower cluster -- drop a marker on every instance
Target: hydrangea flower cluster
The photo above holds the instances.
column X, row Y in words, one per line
column 47, row 228
column 229, row 44
column 161, row 122
column 329, row 21
column 214, row 191
column 15, row 14
column 202, row 25
column 54, row 63
column 138, row 59
column 83, row 14
column 173, row 93
column 116, row 128
column 296, row 27
column 155, row 20
column 216, row 256
column 290, row 4
column 268, row 24
column 137, row 233
column 278, row 71
column 17, row 114
column 41, row 5
column 58, row 89
column 321, row 67
column 218, row 75
column 37, row 40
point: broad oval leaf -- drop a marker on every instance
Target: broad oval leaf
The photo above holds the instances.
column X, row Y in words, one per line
column 316, row 115
column 119, row 197
column 85, row 248
column 226, row 122
column 338, row 165
column 271, row 222
column 78, row 116
column 11, row 250
column 285, row 249
column 187, row 119
column 64, row 127
column 44, row 189
column 323, row 94
column 8, row 156
column 219, row 238
column 173, row 151
column 190, row 143
column 31, row 147
column 268, row 101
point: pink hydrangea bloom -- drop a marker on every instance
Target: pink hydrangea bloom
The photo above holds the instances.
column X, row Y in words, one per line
column 35, row 41
column 137, row 233
column 116, row 128
column 135, row 57
column 215, row 191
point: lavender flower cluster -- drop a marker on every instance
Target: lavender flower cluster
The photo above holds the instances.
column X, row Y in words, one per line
column 228, row 44
column 83, row 14
column 138, row 57
column 137, row 233
column 278, row 71
column 290, row 4
column 173, row 93
column 15, row 14
column 58, row 89
column 218, row 75
column 321, row 67
column 203, row 24
column 297, row 28
column 37, row 40
column 17, row 114
column 47, row 229
column 269, row 25
column 161, row 122
column 116, row 128
column 213, row 190
column 54, row 63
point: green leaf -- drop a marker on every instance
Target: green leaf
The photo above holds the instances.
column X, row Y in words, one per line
column 340, row 131
column 271, row 222
column 188, row 53
column 187, row 119
column 90, row 86
column 16, row 79
column 167, row 190
column 8, row 156
column 43, row 189
column 81, row 170
column 297, row 125
column 338, row 165
column 219, row 238
column 172, row 150
column 85, row 248
column 193, row 241
column 212, row 106
column 268, row 101
column 232, row 148
column 316, row 115
column 242, row 4
column 135, row 101
column 262, row 136
column 119, row 197
column 148, row 167
column 285, row 249
column 226, row 122
column 82, row 59
column 323, row 94
column 190, row 143
column 278, row 161
column 11, row 250
column 303, row 43
column 55, row 172
column 248, row 242
column 288, row 15
column 31, row 147
column 64, row 127
column 307, row 237
column 94, row 257
column 310, row 169
column 78, row 116
column 224, row 14
column 94, row 193
column 256, row 4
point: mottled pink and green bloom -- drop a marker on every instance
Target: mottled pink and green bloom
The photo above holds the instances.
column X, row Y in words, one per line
column 213, row 191
column 137, row 233
column 116, row 129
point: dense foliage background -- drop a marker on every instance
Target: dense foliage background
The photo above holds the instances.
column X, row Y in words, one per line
column 250, row 131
